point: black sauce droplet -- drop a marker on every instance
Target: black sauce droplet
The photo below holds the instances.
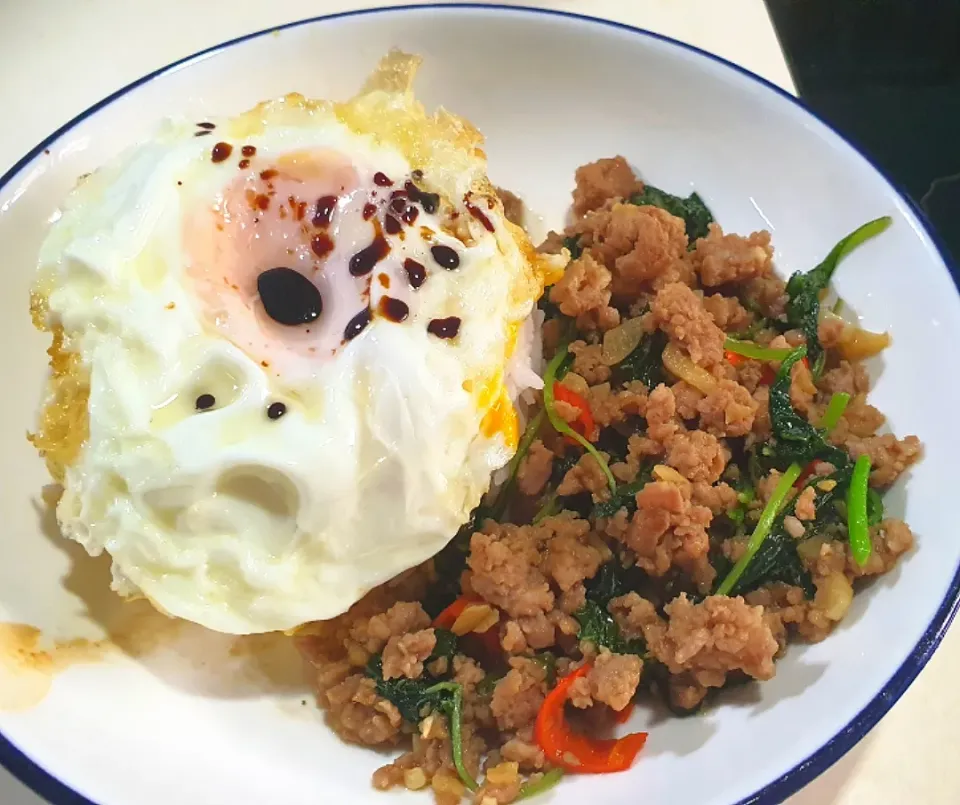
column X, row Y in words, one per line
column 221, row 151
column 446, row 257
column 357, row 324
column 392, row 226
column 393, row 309
column 364, row 260
column 416, row 273
column 381, row 179
column 429, row 201
column 324, row 211
column 289, row 297
column 207, row 125
column 444, row 328
column 276, row 410
column 205, row 401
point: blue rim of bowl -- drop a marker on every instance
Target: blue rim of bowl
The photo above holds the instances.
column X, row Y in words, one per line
column 54, row 791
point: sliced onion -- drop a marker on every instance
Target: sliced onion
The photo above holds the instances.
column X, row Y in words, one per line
column 680, row 366
column 857, row 344
column 834, row 596
column 621, row 341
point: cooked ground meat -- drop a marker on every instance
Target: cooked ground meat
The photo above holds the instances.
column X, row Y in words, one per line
column 588, row 362
column 601, row 181
column 518, row 696
column 721, row 259
column 680, row 313
column 728, row 410
column 535, row 469
column 405, row 655
column 584, row 287
column 620, row 586
column 643, row 247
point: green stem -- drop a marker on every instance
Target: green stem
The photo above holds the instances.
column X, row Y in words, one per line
column 503, row 496
column 751, row 350
column 559, row 425
column 545, row 783
column 550, row 507
column 764, row 524
column 835, row 408
column 455, row 717
column 857, row 526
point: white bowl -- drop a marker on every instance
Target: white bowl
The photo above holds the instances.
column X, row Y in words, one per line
column 201, row 718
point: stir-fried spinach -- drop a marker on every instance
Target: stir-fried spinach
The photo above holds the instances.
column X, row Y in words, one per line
column 777, row 559
column 695, row 214
column 449, row 565
column 413, row 697
column 625, row 498
column 416, row 698
column 596, row 623
column 572, row 244
column 645, row 363
column 804, row 290
column 795, row 439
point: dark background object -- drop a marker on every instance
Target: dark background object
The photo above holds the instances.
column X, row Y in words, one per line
column 886, row 74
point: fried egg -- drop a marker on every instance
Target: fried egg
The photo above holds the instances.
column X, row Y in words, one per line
column 285, row 352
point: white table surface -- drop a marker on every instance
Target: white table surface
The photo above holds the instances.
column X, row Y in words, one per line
column 57, row 57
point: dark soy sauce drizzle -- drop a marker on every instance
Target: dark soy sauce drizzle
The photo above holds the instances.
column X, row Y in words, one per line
column 357, row 324
column 446, row 257
column 393, row 309
column 416, row 273
column 288, row 297
column 444, row 328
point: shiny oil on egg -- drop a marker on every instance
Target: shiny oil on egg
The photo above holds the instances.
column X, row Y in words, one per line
column 286, row 351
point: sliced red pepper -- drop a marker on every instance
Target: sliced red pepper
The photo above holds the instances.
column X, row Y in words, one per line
column 733, row 358
column 768, row 375
column 584, row 423
column 449, row 616
column 574, row 751
column 809, row 470
column 624, row 715
column 490, row 639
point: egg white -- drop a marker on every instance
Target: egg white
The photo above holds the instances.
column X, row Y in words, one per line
column 229, row 518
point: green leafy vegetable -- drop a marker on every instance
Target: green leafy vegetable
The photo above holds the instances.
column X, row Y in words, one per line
column 803, row 290
column 548, row 661
column 777, row 558
column 572, row 243
column 754, row 351
column 796, row 440
column 499, row 507
column 558, row 362
column 645, row 363
column 596, row 623
column 486, row 685
column 545, row 783
column 738, row 513
column 858, row 527
column 764, row 525
column 598, row 626
column 835, row 408
column 625, row 497
column 446, row 645
column 416, row 698
column 449, row 565
column 609, row 582
column 695, row 214
column 550, row 507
